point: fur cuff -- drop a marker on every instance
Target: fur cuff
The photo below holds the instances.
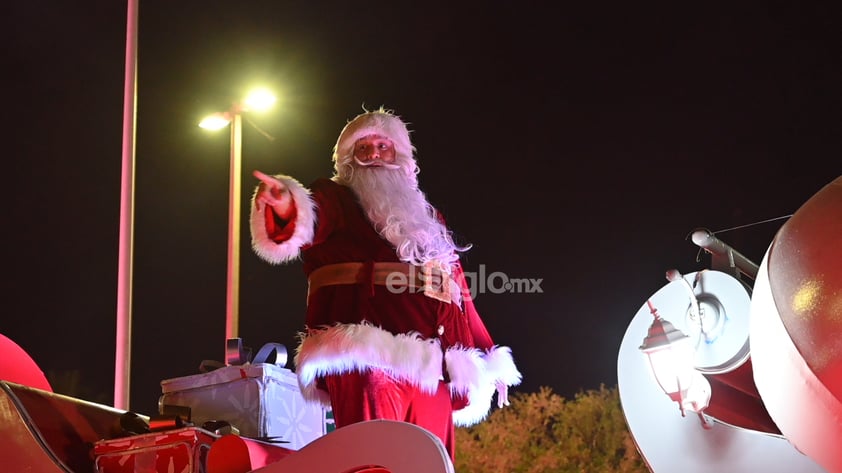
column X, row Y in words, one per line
column 345, row 348
column 474, row 374
column 305, row 220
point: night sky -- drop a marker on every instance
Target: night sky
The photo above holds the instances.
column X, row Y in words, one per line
column 578, row 145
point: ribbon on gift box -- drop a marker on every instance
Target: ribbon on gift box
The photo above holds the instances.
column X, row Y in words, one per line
column 236, row 354
column 176, row 417
column 172, row 417
column 237, row 358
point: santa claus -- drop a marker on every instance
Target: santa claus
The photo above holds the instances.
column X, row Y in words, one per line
column 391, row 330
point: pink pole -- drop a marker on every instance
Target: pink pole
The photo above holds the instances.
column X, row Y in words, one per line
column 122, row 358
column 232, row 314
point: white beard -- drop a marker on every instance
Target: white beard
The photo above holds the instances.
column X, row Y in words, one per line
column 402, row 215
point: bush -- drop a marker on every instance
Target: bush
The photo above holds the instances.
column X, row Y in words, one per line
column 545, row 433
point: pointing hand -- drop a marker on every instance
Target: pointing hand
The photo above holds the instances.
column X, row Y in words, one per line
column 274, row 193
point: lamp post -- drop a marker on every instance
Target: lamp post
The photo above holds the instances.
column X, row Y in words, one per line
column 256, row 101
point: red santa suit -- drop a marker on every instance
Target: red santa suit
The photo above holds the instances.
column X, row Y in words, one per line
column 384, row 338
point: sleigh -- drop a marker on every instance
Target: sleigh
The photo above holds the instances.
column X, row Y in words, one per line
column 47, row 432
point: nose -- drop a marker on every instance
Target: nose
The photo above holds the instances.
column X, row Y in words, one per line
column 371, row 155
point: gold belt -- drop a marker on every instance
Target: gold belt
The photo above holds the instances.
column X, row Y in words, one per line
column 400, row 277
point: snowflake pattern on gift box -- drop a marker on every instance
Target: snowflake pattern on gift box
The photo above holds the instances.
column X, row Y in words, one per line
column 246, row 405
column 259, row 400
column 295, row 412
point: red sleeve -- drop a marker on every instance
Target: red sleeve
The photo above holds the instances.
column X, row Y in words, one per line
column 329, row 201
column 482, row 339
column 278, row 229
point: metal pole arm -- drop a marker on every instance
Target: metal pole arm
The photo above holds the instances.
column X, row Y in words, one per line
column 724, row 257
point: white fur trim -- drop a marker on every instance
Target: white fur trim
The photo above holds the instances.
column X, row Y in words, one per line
column 345, row 348
column 474, row 374
column 305, row 224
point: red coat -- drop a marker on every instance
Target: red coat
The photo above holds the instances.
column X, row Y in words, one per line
column 355, row 326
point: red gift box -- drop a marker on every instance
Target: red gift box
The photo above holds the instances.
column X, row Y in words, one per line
column 181, row 450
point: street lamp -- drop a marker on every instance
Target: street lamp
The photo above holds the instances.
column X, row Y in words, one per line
column 670, row 356
column 257, row 100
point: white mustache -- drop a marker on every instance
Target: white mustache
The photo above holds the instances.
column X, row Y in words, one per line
column 376, row 163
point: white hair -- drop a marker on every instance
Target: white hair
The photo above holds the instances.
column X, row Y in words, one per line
column 391, row 199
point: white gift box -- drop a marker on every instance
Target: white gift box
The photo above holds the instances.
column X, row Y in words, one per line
column 262, row 400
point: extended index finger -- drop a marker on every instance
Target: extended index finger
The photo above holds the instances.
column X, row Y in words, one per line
column 267, row 179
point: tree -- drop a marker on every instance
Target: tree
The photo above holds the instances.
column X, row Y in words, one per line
column 545, row 433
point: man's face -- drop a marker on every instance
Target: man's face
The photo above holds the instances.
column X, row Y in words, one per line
column 376, row 151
